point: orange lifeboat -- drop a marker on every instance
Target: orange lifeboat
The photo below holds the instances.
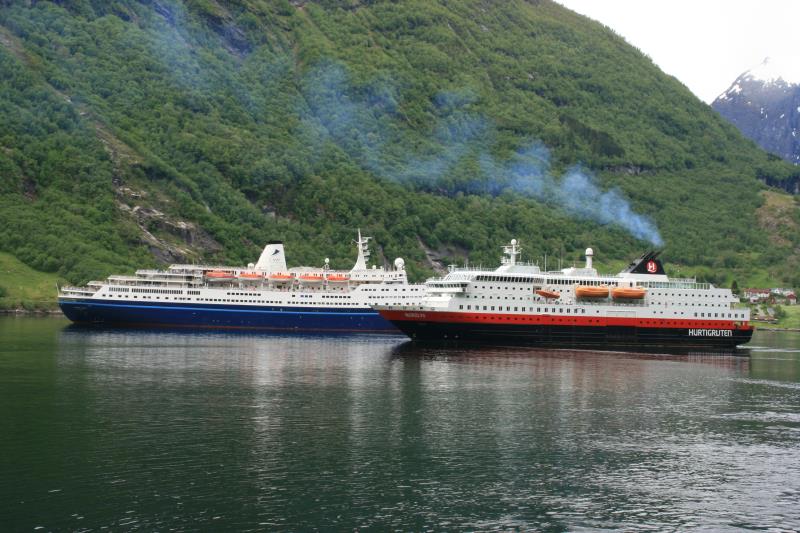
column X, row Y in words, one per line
column 218, row 275
column 338, row 278
column 311, row 278
column 280, row 277
column 249, row 276
column 548, row 294
column 591, row 291
column 633, row 293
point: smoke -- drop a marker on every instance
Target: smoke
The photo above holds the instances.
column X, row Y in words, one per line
column 577, row 192
column 456, row 154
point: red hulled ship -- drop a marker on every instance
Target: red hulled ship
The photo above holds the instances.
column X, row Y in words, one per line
column 518, row 303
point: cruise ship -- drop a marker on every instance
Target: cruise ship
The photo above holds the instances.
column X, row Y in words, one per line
column 265, row 295
column 518, row 303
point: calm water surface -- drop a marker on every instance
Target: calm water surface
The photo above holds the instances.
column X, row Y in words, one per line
column 177, row 430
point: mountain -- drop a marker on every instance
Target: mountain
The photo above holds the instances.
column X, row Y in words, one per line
column 134, row 133
column 764, row 103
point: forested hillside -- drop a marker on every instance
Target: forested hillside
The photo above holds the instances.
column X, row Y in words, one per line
column 137, row 133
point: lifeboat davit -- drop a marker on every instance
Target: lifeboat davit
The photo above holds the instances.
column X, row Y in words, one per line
column 311, row 278
column 218, row 275
column 548, row 294
column 280, row 277
column 591, row 291
column 633, row 293
column 338, row 278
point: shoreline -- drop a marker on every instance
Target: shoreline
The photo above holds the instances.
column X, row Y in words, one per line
column 31, row 312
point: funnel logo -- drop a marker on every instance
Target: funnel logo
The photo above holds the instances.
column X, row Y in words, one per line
column 276, row 252
column 652, row 267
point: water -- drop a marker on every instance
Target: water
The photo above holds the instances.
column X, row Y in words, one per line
column 174, row 430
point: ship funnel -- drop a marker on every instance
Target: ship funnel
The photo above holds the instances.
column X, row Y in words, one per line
column 272, row 258
column 589, row 255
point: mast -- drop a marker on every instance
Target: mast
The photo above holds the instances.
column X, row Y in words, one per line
column 512, row 251
column 362, row 244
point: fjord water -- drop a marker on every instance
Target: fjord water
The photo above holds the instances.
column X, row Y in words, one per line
column 160, row 430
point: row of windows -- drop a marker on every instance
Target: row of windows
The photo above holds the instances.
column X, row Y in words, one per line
column 540, row 281
column 228, row 300
column 506, row 279
column 576, row 311
column 412, row 289
column 480, row 297
column 525, row 309
column 721, row 315
column 158, row 291
column 689, row 295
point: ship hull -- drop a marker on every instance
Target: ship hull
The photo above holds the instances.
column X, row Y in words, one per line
column 275, row 318
column 619, row 335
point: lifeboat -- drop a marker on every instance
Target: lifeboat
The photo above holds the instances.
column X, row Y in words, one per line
column 311, row 278
column 548, row 294
column 633, row 293
column 338, row 278
column 250, row 276
column 591, row 291
column 280, row 277
column 218, row 275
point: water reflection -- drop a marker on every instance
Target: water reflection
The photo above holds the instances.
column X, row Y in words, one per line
column 252, row 431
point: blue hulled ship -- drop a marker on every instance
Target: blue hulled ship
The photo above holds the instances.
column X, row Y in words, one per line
column 266, row 295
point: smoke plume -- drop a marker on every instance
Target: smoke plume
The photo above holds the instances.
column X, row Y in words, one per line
column 364, row 122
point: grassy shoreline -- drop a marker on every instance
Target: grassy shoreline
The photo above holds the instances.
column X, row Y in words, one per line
column 24, row 290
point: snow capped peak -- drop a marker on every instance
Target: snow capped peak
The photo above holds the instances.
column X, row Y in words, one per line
column 770, row 72
column 773, row 70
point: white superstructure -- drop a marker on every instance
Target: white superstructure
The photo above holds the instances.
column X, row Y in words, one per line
column 642, row 291
column 268, row 282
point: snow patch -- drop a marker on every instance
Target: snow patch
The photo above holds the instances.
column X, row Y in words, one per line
column 736, row 89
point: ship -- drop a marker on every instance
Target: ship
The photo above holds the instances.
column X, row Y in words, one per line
column 263, row 296
column 639, row 308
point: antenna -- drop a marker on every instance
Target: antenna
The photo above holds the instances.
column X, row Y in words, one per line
column 512, row 251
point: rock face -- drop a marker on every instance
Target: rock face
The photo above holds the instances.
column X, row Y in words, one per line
column 764, row 103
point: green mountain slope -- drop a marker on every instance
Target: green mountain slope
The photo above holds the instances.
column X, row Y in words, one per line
column 135, row 133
